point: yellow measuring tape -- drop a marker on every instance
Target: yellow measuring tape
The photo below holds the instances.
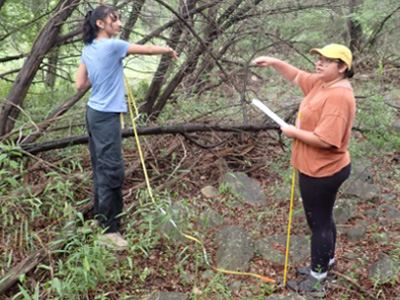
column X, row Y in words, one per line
column 289, row 225
column 131, row 102
column 290, row 212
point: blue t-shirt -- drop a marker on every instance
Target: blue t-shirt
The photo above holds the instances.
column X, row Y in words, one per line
column 103, row 60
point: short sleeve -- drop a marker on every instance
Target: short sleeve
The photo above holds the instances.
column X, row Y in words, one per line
column 306, row 81
column 83, row 56
column 334, row 120
column 332, row 129
column 120, row 47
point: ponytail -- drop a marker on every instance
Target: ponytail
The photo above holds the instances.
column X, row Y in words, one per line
column 90, row 28
column 349, row 73
column 89, row 31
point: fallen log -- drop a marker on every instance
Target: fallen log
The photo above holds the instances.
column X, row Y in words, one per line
column 153, row 130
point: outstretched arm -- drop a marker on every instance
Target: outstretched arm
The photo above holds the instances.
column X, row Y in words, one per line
column 82, row 78
column 151, row 50
column 286, row 70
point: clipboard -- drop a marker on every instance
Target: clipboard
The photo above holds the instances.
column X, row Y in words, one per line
column 268, row 112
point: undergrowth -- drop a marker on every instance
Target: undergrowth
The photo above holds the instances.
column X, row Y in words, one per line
column 36, row 209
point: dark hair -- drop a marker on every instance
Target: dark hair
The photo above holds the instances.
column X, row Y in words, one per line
column 349, row 73
column 90, row 28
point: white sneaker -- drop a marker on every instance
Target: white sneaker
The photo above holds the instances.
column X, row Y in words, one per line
column 93, row 224
column 113, row 240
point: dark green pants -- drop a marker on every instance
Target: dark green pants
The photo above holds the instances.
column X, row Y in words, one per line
column 104, row 131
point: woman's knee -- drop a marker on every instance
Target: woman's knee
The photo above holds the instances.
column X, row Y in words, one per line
column 111, row 172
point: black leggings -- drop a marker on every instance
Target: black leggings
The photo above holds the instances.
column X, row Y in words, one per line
column 319, row 195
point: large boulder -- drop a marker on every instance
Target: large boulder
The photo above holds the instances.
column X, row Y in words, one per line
column 236, row 248
column 210, row 219
column 273, row 248
column 344, row 210
column 247, row 189
column 384, row 270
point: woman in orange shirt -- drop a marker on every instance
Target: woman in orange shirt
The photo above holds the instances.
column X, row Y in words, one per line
column 320, row 153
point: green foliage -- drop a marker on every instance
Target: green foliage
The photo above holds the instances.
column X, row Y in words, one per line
column 10, row 168
column 375, row 118
column 16, row 14
column 371, row 13
column 10, row 180
column 140, row 90
column 224, row 188
column 276, row 28
column 4, row 90
column 24, row 294
column 87, row 265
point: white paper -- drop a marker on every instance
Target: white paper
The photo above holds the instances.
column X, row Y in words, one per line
column 269, row 112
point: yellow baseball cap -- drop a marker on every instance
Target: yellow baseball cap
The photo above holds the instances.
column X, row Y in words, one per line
column 335, row 51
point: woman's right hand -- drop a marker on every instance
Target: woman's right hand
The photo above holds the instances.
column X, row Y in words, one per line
column 286, row 70
column 264, row 61
column 172, row 53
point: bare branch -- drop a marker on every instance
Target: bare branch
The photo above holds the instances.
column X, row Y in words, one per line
column 25, row 25
column 58, row 112
column 373, row 38
column 10, row 58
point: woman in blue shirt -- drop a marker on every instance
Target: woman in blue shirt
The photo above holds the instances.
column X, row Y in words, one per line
column 101, row 68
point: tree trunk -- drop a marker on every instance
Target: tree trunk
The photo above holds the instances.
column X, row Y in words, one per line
column 212, row 30
column 354, row 28
column 52, row 68
column 165, row 63
column 43, row 44
column 2, row 3
column 194, row 84
column 133, row 16
column 188, row 68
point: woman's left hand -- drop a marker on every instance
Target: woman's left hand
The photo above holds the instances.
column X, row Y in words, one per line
column 307, row 137
column 289, row 131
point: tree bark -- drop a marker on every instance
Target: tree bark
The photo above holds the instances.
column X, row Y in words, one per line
column 10, row 58
column 232, row 15
column 2, row 3
column 188, row 67
column 133, row 17
column 44, row 42
column 354, row 28
column 51, row 73
column 165, row 63
column 207, row 63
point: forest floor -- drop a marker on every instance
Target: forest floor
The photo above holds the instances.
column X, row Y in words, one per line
column 162, row 267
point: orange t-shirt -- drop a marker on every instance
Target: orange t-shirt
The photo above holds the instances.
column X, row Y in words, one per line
column 328, row 113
